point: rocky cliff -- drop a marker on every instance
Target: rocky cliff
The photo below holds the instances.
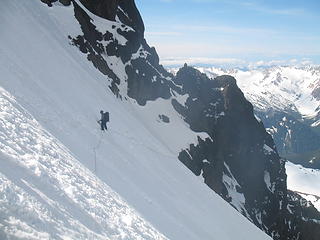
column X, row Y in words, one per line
column 240, row 161
column 285, row 99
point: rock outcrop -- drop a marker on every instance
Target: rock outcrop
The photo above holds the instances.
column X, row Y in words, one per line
column 240, row 161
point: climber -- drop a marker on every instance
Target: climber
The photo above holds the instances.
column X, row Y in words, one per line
column 104, row 119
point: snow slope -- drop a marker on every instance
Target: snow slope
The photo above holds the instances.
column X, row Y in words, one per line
column 304, row 181
column 51, row 145
column 46, row 193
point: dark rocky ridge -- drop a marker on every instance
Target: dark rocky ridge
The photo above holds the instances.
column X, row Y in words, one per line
column 125, row 10
column 236, row 150
column 64, row 2
column 140, row 69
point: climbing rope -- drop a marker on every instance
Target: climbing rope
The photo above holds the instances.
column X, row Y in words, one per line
column 95, row 183
column 95, row 152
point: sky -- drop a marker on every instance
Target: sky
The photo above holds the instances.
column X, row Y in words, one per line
column 233, row 32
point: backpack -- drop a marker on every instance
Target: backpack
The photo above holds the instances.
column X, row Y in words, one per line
column 106, row 116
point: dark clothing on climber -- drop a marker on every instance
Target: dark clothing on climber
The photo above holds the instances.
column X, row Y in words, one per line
column 104, row 119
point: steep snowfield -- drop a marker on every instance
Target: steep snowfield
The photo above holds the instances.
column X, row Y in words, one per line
column 281, row 88
column 304, row 181
column 51, row 147
column 46, row 193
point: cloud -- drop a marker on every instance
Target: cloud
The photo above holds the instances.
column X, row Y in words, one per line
column 253, row 5
column 225, row 29
column 287, row 62
column 234, row 62
column 202, row 61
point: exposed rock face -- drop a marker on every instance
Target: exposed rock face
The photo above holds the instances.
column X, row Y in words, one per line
column 90, row 44
column 64, row 2
column 147, row 79
column 286, row 100
column 103, row 8
column 164, row 118
column 126, row 11
column 140, row 62
column 240, row 161
column 241, row 154
column 304, row 223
